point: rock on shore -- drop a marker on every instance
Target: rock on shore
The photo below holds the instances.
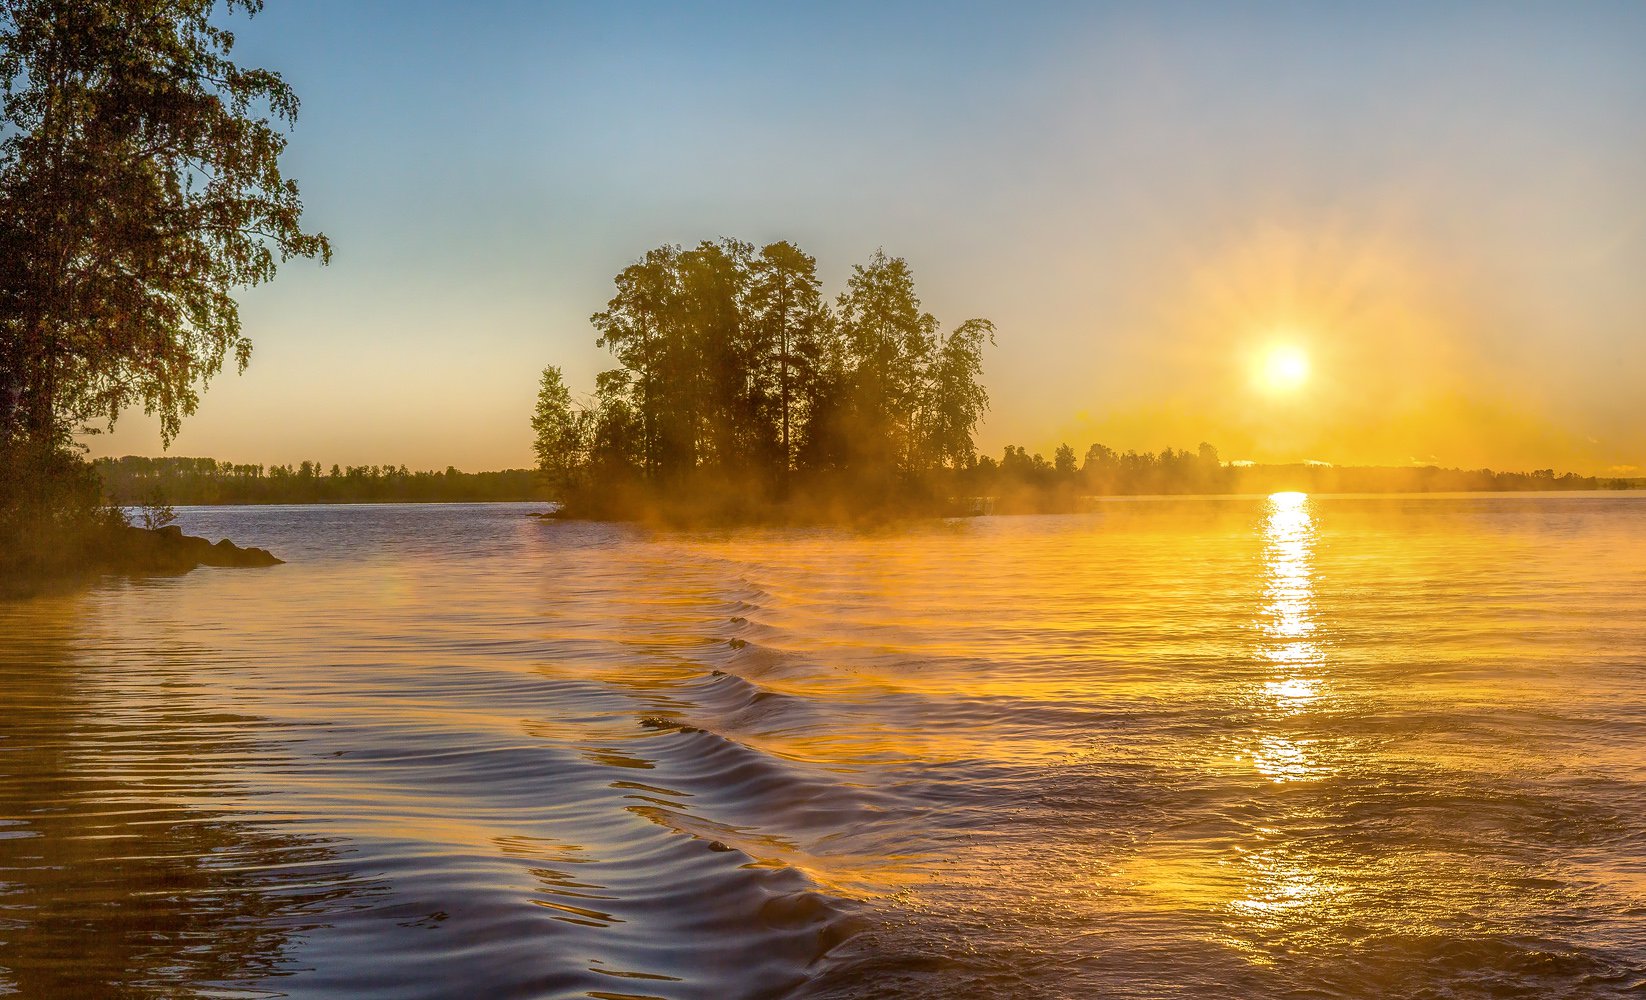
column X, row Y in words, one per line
column 168, row 550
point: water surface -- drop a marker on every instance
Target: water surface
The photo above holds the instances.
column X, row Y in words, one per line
column 1207, row 747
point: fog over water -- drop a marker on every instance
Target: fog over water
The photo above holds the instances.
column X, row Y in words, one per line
column 1274, row 746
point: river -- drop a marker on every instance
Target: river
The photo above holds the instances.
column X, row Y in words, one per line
column 1280, row 746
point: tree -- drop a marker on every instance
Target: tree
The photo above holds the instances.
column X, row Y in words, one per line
column 637, row 327
column 613, row 429
column 140, row 186
column 1063, row 461
column 734, row 372
column 890, row 341
column 957, row 399
column 557, row 430
column 823, row 397
column 722, row 360
column 790, row 313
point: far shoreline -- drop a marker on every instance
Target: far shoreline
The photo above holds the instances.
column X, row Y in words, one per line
column 1011, row 511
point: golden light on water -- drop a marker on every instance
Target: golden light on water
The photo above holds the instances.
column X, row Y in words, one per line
column 1271, row 880
column 1175, row 729
column 1263, row 884
column 1287, row 618
column 1286, row 623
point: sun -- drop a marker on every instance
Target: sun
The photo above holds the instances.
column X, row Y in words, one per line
column 1283, row 369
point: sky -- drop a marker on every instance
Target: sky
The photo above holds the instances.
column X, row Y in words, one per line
column 1440, row 208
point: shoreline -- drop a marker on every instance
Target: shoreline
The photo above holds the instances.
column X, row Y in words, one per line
column 1083, row 497
column 664, row 516
column 128, row 550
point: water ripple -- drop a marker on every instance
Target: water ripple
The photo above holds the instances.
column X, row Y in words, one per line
column 1266, row 747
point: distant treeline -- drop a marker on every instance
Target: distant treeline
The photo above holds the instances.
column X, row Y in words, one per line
column 1418, row 479
column 133, row 480
column 1017, row 481
column 1101, row 472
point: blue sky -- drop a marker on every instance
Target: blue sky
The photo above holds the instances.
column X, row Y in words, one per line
column 1442, row 203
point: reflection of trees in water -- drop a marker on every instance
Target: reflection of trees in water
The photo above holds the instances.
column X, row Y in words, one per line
column 118, row 876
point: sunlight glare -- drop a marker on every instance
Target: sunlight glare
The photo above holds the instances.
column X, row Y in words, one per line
column 1283, row 368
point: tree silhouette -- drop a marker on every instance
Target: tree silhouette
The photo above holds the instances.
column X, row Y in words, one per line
column 789, row 312
column 956, row 399
column 140, row 185
column 890, row 341
column 736, row 374
column 557, row 431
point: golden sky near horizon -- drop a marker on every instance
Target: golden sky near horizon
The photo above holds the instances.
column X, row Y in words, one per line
column 1437, row 213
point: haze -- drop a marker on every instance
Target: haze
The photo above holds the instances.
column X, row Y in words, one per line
column 1439, row 211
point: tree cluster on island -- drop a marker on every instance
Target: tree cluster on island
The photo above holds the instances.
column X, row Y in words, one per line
column 740, row 386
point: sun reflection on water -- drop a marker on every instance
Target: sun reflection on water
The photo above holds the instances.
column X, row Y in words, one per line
column 1293, row 693
column 1268, row 888
column 1276, row 881
column 1287, row 620
column 1286, row 624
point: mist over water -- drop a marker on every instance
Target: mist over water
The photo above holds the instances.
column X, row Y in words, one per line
column 1279, row 746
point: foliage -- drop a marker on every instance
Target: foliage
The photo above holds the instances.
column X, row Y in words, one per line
column 1020, row 480
column 557, row 431
column 736, row 374
column 958, row 399
column 154, row 512
column 792, row 321
column 890, row 344
column 52, row 516
column 140, row 185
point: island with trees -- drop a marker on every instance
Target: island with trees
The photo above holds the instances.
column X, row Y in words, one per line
column 741, row 390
